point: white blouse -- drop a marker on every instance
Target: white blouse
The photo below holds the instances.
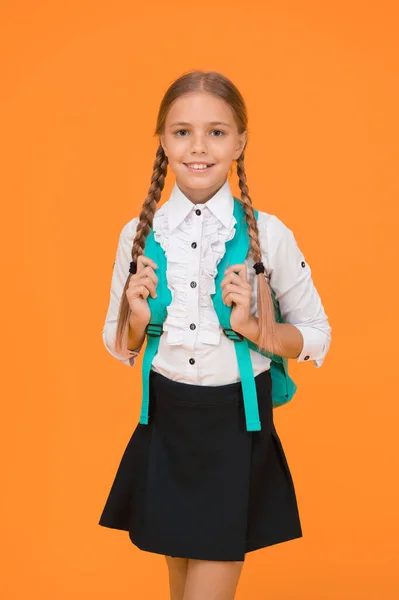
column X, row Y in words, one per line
column 193, row 348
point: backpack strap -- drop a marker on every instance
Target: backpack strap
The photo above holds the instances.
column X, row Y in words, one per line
column 236, row 253
column 154, row 332
column 158, row 309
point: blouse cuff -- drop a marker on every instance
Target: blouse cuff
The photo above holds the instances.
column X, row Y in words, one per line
column 315, row 345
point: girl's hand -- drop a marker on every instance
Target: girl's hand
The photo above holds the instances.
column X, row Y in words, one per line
column 237, row 291
column 142, row 283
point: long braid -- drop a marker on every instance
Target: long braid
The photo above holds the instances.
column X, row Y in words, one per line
column 268, row 339
column 144, row 225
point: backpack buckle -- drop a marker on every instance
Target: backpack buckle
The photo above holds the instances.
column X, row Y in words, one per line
column 154, row 330
column 235, row 336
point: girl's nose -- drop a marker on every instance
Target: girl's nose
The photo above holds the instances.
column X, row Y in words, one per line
column 198, row 144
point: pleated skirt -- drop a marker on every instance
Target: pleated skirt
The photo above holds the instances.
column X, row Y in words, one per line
column 194, row 483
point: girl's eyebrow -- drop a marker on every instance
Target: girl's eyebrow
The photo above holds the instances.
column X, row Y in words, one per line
column 210, row 123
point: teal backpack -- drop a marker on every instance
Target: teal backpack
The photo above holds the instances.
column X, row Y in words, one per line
column 283, row 387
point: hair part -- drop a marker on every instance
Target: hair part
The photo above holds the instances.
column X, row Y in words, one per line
column 220, row 86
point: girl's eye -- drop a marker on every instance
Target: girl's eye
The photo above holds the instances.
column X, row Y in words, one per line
column 180, row 130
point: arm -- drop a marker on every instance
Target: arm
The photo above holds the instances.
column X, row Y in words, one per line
column 119, row 276
column 136, row 334
column 291, row 338
column 306, row 335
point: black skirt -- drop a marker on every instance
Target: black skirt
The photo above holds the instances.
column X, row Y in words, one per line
column 194, row 483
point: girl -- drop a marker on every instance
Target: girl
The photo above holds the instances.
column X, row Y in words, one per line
column 194, row 484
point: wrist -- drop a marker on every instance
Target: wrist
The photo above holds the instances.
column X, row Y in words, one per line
column 136, row 333
column 135, row 321
column 250, row 330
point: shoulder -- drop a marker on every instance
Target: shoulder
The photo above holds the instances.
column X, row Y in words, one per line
column 272, row 230
column 128, row 231
column 277, row 242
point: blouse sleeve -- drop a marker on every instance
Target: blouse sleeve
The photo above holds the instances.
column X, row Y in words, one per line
column 119, row 276
column 300, row 304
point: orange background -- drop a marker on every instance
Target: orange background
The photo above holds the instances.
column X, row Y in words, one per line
column 81, row 86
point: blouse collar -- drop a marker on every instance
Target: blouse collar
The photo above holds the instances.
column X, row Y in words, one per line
column 221, row 205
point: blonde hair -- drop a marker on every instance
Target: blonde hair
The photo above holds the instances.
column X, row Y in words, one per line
column 221, row 87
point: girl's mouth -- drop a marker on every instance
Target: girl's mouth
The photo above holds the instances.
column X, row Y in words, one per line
column 199, row 169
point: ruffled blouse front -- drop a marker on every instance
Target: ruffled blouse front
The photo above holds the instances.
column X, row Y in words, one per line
column 212, row 237
column 193, row 348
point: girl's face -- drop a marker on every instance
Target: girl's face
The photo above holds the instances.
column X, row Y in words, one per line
column 200, row 128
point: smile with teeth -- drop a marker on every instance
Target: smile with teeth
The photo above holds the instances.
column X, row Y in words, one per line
column 198, row 166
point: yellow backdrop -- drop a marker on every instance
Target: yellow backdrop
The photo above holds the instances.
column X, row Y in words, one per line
column 81, row 85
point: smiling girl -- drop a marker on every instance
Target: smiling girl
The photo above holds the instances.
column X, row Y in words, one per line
column 204, row 478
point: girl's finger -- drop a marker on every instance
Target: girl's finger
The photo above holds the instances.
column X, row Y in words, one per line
column 137, row 291
column 239, row 292
column 233, row 297
column 143, row 261
column 234, row 278
column 147, row 282
column 241, row 269
column 147, row 271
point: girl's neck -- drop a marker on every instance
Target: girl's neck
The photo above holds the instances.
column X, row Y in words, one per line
column 200, row 196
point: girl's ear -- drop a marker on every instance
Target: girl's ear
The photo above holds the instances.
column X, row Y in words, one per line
column 162, row 142
column 242, row 140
